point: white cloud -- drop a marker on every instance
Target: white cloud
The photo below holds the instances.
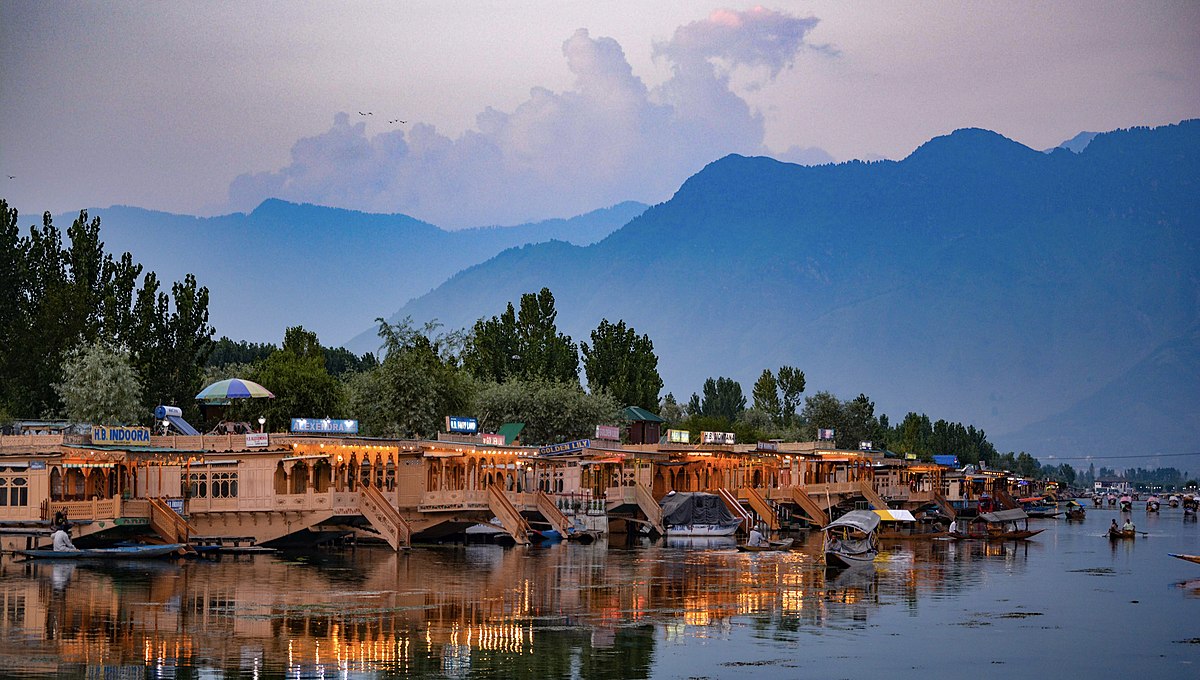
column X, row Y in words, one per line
column 607, row 139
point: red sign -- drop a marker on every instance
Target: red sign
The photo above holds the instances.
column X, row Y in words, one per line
column 493, row 439
column 608, row 432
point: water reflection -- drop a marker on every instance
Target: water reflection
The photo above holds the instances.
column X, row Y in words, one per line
column 599, row 610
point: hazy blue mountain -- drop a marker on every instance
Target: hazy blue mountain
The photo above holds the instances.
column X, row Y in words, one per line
column 333, row 271
column 977, row 280
column 1077, row 143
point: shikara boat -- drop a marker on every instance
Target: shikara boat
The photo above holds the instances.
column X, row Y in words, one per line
column 128, row 552
column 1120, row 534
column 852, row 539
column 1152, row 504
column 1173, row 500
column 1002, row 525
column 771, row 545
column 1075, row 512
column 1189, row 558
column 1126, row 503
column 900, row 525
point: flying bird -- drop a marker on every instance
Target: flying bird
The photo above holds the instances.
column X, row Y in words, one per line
column 12, row 176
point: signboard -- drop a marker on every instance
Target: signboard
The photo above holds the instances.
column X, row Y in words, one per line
column 727, row 438
column 37, row 465
column 175, row 504
column 866, row 446
column 565, row 447
column 254, row 439
column 768, row 446
column 825, row 434
column 493, row 439
column 608, row 432
column 679, row 436
column 462, row 425
column 325, row 425
column 108, row 434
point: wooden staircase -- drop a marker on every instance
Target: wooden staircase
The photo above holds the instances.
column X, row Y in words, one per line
column 868, row 492
column 810, row 507
column 509, row 516
column 765, row 512
column 944, row 505
column 650, row 508
column 1006, row 501
column 386, row 519
column 558, row 521
column 167, row 523
column 735, row 506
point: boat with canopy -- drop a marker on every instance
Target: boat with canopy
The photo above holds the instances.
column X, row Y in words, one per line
column 852, row 539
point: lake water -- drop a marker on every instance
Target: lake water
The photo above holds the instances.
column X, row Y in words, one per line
column 1068, row 603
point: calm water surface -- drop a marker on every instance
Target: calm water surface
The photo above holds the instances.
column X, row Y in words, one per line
column 1068, row 602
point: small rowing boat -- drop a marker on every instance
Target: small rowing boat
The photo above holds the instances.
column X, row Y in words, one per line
column 772, row 545
column 852, row 539
column 1121, row 533
column 127, row 552
column 1189, row 558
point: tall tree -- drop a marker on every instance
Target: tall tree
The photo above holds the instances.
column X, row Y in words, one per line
column 622, row 364
column 296, row 375
column 100, row 386
column 522, row 343
column 722, row 399
column 822, row 411
column 766, row 396
column 791, row 386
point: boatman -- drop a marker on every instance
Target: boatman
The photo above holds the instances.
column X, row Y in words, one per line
column 757, row 539
column 62, row 539
column 1128, row 525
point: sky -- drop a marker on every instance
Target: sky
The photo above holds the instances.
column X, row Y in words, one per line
column 478, row 113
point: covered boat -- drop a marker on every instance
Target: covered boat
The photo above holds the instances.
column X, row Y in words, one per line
column 1173, row 500
column 1190, row 505
column 902, row 525
column 852, row 539
column 1075, row 511
column 697, row 514
column 1002, row 525
column 1152, row 504
column 1126, row 503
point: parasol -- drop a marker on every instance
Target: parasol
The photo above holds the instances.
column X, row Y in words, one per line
column 223, row 391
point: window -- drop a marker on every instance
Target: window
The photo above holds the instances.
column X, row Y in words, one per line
column 14, row 491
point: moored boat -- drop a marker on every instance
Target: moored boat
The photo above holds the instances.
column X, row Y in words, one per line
column 697, row 514
column 1002, row 525
column 900, row 525
column 126, row 552
column 851, row 539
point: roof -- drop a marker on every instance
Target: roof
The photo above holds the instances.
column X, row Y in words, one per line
column 639, row 413
column 948, row 461
column 510, row 431
column 863, row 520
column 1004, row 515
column 895, row 515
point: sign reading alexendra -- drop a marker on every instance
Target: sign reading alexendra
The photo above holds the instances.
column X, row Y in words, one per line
column 324, row 425
column 113, row 434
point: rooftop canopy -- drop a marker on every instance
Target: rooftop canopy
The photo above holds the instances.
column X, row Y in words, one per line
column 639, row 413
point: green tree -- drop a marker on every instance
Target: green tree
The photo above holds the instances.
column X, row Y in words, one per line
column 623, row 364
column 791, row 386
column 171, row 341
column 522, row 343
column 913, row 436
column 766, row 396
column 296, row 375
column 1027, row 465
column 722, row 399
column 552, row 411
column 670, row 410
column 100, row 386
column 822, row 411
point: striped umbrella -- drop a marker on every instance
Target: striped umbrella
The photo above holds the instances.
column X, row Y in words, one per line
column 235, row 388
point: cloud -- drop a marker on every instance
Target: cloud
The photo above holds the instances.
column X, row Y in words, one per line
column 607, row 139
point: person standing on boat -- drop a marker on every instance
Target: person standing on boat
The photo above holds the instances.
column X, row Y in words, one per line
column 62, row 539
column 756, row 538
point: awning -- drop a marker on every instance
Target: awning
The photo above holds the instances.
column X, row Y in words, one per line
column 1004, row 515
column 637, row 413
column 895, row 515
column 510, row 431
column 863, row 520
column 312, row 457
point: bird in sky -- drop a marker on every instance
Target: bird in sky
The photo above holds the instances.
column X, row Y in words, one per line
column 397, row 121
column 12, row 176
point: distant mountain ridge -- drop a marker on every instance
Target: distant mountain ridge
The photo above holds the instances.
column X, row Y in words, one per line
column 332, row 270
column 977, row 280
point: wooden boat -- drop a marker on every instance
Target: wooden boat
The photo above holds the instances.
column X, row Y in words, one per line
column 852, row 539
column 1173, row 500
column 1002, row 525
column 1126, row 503
column 1189, row 558
column 771, row 545
column 1120, row 534
column 1152, row 504
column 128, row 552
column 900, row 525
column 1075, row 512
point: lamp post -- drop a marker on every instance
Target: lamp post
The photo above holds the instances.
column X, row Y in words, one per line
column 262, row 423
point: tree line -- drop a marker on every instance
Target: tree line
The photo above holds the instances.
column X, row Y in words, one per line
column 80, row 338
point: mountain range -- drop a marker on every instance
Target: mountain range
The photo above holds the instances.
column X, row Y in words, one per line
column 333, row 271
column 1051, row 298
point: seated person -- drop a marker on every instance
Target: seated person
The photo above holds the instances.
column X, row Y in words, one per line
column 756, row 538
column 62, row 539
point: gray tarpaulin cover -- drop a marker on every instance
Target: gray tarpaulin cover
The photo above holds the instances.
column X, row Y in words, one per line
column 695, row 508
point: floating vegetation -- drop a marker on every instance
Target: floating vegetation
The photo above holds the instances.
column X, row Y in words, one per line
column 1020, row 615
column 1095, row 571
